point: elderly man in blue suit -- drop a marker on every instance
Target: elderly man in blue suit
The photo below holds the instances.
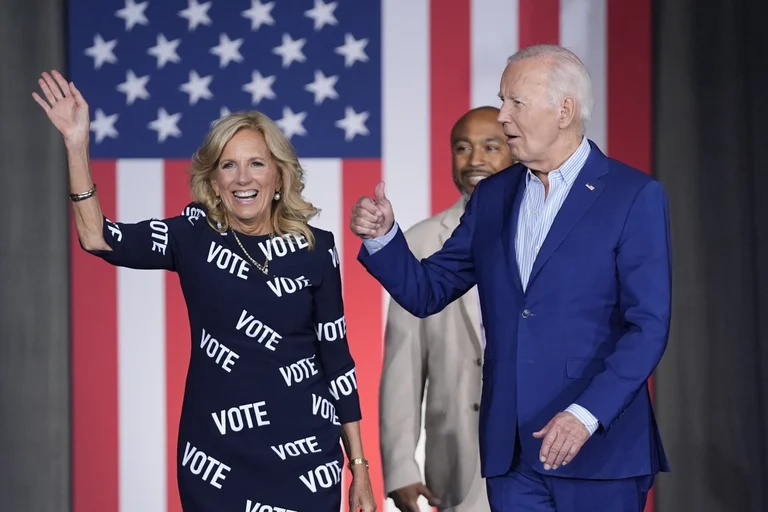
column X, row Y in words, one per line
column 570, row 252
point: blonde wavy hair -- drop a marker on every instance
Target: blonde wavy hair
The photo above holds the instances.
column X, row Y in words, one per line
column 291, row 213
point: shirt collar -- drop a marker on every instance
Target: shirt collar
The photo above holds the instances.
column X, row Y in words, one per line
column 570, row 168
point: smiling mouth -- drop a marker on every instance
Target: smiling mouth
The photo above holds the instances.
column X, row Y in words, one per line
column 245, row 195
column 476, row 176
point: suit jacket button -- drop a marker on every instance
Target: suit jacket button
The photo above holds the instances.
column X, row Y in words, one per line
column 526, row 313
column 476, row 407
column 479, row 362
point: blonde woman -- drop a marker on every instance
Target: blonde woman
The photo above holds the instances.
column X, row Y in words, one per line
column 271, row 385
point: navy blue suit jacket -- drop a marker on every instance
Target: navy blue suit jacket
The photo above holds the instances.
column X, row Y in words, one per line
column 590, row 328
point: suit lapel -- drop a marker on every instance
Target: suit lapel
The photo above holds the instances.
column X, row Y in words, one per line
column 513, row 197
column 585, row 190
column 468, row 302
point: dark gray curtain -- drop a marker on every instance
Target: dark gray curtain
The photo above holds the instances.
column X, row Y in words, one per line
column 34, row 324
column 711, row 152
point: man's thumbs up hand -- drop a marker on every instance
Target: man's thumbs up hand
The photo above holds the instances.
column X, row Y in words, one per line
column 372, row 217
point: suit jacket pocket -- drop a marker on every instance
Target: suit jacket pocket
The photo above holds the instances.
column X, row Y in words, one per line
column 583, row 368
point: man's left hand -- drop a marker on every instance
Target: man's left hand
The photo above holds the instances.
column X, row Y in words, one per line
column 563, row 437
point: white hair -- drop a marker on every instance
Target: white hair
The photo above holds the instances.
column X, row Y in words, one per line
column 567, row 77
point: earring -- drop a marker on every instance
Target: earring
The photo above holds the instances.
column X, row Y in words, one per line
column 277, row 196
column 218, row 200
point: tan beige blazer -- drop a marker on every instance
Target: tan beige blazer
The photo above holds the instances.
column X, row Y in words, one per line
column 442, row 357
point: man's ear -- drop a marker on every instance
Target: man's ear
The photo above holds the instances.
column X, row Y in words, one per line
column 567, row 112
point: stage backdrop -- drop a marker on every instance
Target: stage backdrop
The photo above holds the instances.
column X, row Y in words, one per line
column 367, row 91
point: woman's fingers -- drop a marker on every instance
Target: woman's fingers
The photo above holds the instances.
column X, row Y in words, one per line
column 63, row 85
column 40, row 101
column 47, row 92
column 53, row 86
column 79, row 100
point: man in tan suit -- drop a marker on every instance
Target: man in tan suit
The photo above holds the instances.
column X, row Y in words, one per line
column 440, row 355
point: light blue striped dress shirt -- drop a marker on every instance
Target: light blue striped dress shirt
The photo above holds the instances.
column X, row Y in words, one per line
column 537, row 213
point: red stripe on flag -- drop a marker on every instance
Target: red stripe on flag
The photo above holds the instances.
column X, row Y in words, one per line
column 94, row 365
column 363, row 309
column 539, row 22
column 629, row 86
column 450, row 73
column 629, row 82
column 177, row 334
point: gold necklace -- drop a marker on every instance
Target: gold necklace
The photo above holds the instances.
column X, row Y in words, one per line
column 264, row 268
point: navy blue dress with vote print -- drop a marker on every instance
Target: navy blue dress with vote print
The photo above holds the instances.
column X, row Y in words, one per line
column 270, row 378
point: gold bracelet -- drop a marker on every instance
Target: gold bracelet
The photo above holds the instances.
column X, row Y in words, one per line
column 83, row 195
column 355, row 462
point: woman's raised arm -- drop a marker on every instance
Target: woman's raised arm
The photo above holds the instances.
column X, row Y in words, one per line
column 68, row 111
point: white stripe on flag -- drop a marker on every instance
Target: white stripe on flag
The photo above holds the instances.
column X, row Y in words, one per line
column 406, row 129
column 494, row 38
column 141, row 350
column 405, row 101
column 324, row 190
column 583, row 30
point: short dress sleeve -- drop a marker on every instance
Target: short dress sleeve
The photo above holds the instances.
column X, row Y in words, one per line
column 331, row 326
column 151, row 243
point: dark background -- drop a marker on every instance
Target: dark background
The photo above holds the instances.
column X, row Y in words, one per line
column 710, row 141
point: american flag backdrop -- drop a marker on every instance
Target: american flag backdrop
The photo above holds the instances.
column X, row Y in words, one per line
column 367, row 90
